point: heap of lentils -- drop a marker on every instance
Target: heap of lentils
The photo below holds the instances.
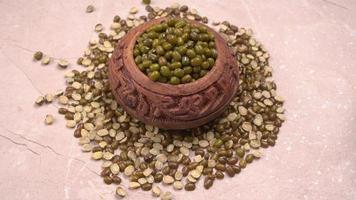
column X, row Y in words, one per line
column 175, row 52
column 135, row 155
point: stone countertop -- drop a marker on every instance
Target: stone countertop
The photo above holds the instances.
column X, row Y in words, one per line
column 312, row 46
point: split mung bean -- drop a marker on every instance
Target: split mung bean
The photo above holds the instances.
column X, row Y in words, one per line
column 147, row 155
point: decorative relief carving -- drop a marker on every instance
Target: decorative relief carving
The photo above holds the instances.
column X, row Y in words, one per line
column 171, row 111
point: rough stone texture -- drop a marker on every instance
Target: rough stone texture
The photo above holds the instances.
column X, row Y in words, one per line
column 168, row 106
column 312, row 44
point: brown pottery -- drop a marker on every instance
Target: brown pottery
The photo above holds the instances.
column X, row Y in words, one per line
column 172, row 106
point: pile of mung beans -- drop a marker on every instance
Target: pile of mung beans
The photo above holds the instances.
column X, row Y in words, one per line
column 175, row 52
column 147, row 156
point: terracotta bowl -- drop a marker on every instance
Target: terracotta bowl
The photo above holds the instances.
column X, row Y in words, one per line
column 172, row 106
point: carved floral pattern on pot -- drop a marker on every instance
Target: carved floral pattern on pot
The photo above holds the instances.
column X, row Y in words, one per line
column 171, row 106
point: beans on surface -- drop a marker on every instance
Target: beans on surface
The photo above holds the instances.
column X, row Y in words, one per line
column 146, row 2
column 173, row 52
column 37, row 55
column 90, row 9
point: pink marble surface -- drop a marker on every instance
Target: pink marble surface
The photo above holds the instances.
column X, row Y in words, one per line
column 313, row 48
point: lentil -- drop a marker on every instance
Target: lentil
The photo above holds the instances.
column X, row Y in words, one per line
column 63, row 63
column 120, row 192
column 134, row 185
column 208, row 182
column 49, row 119
column 178, row 185
column 90, row 9
column 166, row 196
column 189, row 187
column 168, row 179
column 38, row 55
column 146, row 2
column 46, row 60
column 156, row 191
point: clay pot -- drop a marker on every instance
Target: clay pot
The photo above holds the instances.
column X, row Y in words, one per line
column 172, row 106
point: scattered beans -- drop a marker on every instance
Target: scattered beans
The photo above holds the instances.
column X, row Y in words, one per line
column 46, row 60
column 98, row 28
column 134, row 185
column 230, row 171
column 178, row 185
column 158, row 178
column 49, row 119
column 146, row 186
column 90, row 9
column 97, row 155
column 129, row 170
column 63, row 63
column 115, row 168
column 189, row 186
column 70, row 123
column 148, row 155
column 249, row 158
column 146, row 2
column 38, row 55
column 208, row 182
column 156, row 191
column 166, row 196
column 49, row 98
column 120, row 192
column 133, row 10
column 203, row 143
column 40, row 100
column 63, row 100
column 168, row 179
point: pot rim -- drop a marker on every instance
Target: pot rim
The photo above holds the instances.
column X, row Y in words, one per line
column 174, row 90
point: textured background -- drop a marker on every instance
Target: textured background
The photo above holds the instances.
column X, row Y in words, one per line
column 312, row 45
